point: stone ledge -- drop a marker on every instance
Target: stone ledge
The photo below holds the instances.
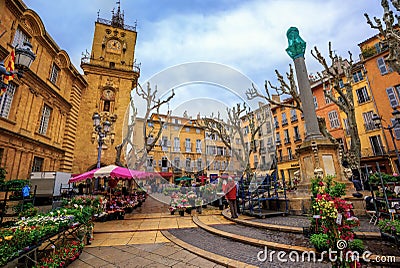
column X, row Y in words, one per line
column 206, row 254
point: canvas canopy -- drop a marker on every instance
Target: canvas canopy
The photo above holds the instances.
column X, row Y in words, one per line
column 112, row 171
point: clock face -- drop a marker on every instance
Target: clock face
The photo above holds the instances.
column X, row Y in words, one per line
column 114, row 45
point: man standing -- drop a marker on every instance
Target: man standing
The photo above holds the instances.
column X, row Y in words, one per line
column 230, row 195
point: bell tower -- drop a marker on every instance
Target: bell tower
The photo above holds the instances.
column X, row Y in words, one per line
column 111, row 71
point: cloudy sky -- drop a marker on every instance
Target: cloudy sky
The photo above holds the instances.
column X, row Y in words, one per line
column 247, row 36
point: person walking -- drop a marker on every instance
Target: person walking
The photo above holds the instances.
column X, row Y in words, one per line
column 230, row 195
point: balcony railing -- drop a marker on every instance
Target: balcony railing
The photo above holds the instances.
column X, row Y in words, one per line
column 297, row 138
column 293, row 118
column 370, row 126
column 286, row 158
column 369, row 152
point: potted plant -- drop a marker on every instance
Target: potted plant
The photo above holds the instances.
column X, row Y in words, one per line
column 320, row 241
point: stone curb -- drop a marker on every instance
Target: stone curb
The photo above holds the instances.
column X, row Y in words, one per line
column 221, row 260
column 290, row 229
column 248, row 240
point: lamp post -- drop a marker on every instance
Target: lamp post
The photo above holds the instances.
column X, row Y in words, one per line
column 24, row 57
column 101, row 130
column 378, row 122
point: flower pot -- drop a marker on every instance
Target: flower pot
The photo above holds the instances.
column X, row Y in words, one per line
column 189, row 211
column 181, row 213
column 172, row 212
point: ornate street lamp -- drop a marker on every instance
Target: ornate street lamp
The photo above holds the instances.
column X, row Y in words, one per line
column 24, row 57
column 378, row 123
column 101, row 131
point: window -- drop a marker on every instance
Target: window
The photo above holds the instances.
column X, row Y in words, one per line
column 176, row 145
column 164, row 143
column 378, row 47
column 19, row 38
column 315, row 102
column 296, row 133
column 362, row 95
column 246, row 130
column 44, row 120
column 369, row 123
column 220, row 150
column 197, row 130
column 341, row 84
column 187, row 129
column 284, row 119
column 357, row 76
column 54, row 73
column 376, row 145
column 276, row 122
column 289, row 152
column 382, row 66
column 176, row 162
column 392, row 97
column 6, row 100
column 37, row 164
column 333, row 119
column 188, row 146
column 293, row 115
column 327, row 93
column 286, row 134
column 112, row 65
column 198, row 146
column 199, row 163
column 187, row 163
column 278, row 139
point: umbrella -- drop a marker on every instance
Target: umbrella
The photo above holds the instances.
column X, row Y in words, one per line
column 110, row 171
column 184, row 179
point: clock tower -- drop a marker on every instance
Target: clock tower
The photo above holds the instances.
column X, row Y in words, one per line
column 111, row 73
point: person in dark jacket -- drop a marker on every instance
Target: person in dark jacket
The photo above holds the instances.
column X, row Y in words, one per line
column 230, row 195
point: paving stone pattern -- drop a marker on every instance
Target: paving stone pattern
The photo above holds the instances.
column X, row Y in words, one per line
column 267, row 235
column 232, row 249
column 146, row 255
column 304, row 221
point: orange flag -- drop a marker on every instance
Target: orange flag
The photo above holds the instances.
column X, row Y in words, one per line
column 9, row 64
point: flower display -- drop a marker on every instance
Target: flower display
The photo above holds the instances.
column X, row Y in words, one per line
column 333, row 218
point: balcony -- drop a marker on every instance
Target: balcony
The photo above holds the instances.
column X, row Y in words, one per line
column 262, row 150
column 287, row 140
column 271, row 148
column 284, row 122
column 370, row 126
column 286, row 158
column 164, row 169
column 293, row 118
column 370, row 152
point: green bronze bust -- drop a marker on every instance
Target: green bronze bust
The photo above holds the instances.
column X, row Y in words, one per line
column 297, row 46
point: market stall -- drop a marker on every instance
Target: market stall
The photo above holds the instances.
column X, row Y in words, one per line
column 119, row 186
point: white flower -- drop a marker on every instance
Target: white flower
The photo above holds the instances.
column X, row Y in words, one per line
column 75, row 205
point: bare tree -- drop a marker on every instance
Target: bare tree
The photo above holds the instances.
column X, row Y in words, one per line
column 285, row 89
column 233, row 129
column 332, row 75
column 340, row 92
column 153, row 105
column 389, row 31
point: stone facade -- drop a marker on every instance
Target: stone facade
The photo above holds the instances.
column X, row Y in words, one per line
column 111, row 74
column 39, row 112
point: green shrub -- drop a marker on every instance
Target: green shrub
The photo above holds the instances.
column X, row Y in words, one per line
column 357, row 245
column 320, row 241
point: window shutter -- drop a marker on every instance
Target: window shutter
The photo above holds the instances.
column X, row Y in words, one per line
column 396, row 128
column 392, row 97
column 382, row 66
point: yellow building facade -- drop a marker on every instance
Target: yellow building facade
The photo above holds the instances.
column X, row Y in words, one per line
column 39, row 112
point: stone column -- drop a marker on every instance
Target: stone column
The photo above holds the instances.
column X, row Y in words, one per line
column 296, row 50
column 318, row 156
